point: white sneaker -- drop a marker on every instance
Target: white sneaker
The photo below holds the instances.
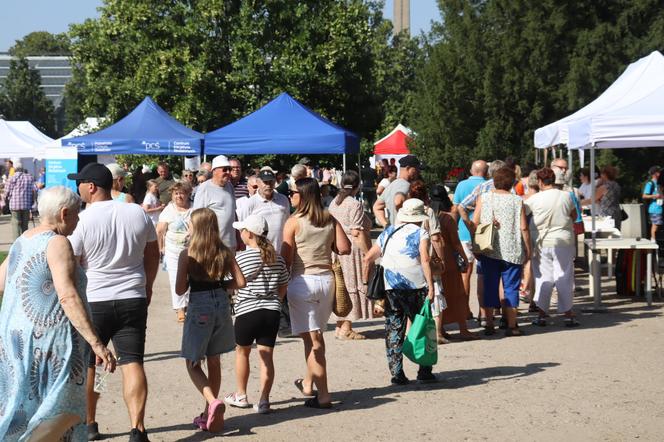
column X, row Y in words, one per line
column 263, row 407
column 236, row 400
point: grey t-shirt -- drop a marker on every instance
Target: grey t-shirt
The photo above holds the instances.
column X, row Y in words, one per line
column 397, row 186
column 222, row 201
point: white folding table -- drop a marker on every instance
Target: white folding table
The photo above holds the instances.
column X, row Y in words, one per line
column 611, row 244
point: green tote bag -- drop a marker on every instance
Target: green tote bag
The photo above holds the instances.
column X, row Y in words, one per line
column 421, row 345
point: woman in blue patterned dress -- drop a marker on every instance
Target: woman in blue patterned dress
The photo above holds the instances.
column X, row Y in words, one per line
column 44, row 327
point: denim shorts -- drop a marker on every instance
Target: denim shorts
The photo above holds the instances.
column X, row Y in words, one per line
column 208, row 327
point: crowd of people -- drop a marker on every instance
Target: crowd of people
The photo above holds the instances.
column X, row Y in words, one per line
column 246, row 255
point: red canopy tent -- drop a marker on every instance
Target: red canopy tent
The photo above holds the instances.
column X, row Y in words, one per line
column 393, row 145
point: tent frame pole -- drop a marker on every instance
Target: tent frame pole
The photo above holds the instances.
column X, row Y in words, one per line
column 344, row 160
column 594, row 263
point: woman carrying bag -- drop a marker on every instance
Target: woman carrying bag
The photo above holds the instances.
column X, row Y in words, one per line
column 502, row 257
column 408, row 281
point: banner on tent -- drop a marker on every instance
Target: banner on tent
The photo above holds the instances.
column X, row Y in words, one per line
column 59, row 163
column 147, row 147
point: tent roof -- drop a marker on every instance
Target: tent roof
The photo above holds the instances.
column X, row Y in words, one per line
column 147, row 129
column 395, row 143
column 20, row 139
column 282, row 126
column 628, row 114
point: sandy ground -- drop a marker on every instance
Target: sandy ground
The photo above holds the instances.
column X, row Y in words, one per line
column 601, row 381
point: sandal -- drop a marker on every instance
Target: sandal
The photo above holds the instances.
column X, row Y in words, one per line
column 313, row 403
column 201, row 421
column 350, row 335
column 489, row 330
column 299, row 384
column 540, row 322
column 513, row 332
column 441, row 340
column 571, row 322
column 215, row 420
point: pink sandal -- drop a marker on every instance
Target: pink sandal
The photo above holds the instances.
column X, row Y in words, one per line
column 215, row 421
column 201, row 421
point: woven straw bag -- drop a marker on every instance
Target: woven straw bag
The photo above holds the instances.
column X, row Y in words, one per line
column 342, row 303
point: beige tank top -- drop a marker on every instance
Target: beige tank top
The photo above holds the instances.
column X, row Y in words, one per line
column 313, row 248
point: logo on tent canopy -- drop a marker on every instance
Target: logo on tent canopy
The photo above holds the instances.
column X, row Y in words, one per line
column 151, row 145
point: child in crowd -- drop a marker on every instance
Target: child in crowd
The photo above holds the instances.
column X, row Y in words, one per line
column 207, row 267
column 257, row 309
column 151, row 203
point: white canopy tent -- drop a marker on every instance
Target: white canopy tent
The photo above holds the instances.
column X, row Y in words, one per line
column 20, row 140
column 629, row 114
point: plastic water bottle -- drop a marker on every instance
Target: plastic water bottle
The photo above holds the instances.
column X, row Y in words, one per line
column 100, row 379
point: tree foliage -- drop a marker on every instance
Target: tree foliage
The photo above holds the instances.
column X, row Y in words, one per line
column 41, row 43
column 210, row 62
column 498, row 69
column 21, row 97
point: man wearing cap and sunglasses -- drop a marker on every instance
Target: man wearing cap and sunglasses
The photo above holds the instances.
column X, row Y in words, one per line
column 218, row 194
column 273, row 206
column 409, row 171
column 117, row 244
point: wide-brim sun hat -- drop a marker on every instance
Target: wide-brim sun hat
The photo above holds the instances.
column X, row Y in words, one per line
column 412, row 211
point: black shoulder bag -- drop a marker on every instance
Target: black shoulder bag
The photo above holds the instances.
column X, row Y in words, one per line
column 376, row 287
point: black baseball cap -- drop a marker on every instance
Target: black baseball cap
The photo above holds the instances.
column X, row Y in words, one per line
column 95, row 173
column 410, row 161
column 266, row 175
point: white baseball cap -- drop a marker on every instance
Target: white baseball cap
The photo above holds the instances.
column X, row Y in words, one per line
column 220, row 161
column 256, row 224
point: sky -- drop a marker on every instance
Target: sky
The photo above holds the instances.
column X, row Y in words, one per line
column 20, row 17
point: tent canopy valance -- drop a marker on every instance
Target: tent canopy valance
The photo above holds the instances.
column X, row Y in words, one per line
column 630, row 113
column 147, row 129
column 282, row 126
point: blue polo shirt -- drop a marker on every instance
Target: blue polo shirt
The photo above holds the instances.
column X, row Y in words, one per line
column 463, row 189
column 651, row 188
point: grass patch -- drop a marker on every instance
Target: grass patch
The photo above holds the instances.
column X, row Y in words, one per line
column 3, row 255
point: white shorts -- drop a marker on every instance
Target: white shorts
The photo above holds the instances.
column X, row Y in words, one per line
column 310, row 299
column 468, row 249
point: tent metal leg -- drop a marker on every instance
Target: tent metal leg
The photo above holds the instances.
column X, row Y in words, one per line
column 596, row 288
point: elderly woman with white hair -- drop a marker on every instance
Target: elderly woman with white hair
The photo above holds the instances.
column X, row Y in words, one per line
column 44, row 327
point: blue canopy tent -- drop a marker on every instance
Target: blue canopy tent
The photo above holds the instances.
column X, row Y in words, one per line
column 148, row 130
column 282, row 126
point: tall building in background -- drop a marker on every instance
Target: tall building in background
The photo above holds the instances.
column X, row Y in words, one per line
column 401, row 16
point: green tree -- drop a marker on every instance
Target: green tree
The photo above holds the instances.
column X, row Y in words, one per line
column 210, row 62
column 21, row 97
column 496, row 70
column 41, row 43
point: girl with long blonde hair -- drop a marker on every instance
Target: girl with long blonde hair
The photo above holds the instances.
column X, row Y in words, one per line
column 257, row 309
column 207, row 268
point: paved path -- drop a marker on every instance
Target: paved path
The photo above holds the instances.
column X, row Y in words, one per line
column 602, row 381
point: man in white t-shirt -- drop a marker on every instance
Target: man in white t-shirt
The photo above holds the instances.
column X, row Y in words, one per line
column 218, row 194
column 271, row 205
column 117, row 244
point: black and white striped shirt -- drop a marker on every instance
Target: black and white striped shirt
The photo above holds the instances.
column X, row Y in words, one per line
column 263, row 281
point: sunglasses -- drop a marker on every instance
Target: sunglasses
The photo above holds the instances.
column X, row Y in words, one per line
column 226, row 169
column 292, row 192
